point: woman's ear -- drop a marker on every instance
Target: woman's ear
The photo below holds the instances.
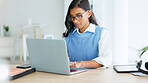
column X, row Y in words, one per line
column 89, row 13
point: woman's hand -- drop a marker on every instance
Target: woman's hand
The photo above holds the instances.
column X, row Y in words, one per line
column 76, row 64
column 85, row 64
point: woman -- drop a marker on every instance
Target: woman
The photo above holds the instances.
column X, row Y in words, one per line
column 88, row 44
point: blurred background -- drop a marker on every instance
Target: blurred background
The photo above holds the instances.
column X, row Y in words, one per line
column 19, row 19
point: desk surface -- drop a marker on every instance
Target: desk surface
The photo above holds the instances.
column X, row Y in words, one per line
column 90, row 76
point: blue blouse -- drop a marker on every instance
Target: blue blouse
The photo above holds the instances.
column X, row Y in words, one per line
column 83, row 46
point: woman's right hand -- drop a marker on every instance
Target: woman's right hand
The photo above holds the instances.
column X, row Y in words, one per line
column 71, row 64
column 75, row 64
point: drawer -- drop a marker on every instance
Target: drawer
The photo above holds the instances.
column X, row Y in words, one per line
column 6, row 46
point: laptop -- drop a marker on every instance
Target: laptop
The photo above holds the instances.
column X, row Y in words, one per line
column 50, row 56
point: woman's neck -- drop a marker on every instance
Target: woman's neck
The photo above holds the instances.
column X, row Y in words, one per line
column 84, row 28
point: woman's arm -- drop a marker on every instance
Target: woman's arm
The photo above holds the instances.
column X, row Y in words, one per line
column 104, row 59
column 85, row 64
column 105, row 55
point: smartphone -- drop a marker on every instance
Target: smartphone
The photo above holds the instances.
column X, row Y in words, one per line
column 24, row 66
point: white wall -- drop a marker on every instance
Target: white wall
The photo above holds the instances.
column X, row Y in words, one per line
column 120, row 32
column 113, row 14
column 66, row 5
column 15, row 13
column 103, row 10
column 138, row 26
column 127, row 20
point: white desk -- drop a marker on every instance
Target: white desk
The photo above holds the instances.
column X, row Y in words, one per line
column 90, row 76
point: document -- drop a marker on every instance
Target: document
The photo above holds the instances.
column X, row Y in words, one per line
column 138, row 74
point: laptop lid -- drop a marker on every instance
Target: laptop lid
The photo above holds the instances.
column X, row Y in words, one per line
column 48, row 55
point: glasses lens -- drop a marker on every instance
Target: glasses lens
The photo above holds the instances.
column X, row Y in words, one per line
column 79, row 17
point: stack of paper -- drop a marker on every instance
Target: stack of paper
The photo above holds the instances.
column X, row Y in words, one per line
column 138, row 74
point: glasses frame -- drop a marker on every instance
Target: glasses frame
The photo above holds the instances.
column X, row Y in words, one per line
column 76, row 17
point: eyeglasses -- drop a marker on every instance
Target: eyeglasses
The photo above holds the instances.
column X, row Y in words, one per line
column 78, row 17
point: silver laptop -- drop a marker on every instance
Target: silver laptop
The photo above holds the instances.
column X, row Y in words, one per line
column 50, row 56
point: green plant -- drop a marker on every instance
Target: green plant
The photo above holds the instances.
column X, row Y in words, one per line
column 143, row 50
column 6, row 28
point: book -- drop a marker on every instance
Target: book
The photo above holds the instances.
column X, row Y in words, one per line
column 17, row 72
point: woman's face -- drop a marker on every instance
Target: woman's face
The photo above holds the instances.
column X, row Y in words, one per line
column 80, row 17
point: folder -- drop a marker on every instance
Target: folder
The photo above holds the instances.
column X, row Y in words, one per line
column 17, row 72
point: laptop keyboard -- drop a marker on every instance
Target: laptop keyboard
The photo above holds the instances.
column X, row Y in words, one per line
column 73, row 70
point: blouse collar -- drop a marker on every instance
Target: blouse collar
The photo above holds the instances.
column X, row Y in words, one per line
column 90, row 28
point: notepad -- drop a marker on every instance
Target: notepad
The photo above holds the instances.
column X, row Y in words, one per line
column 125, row 68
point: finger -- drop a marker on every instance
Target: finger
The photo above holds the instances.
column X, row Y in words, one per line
column 71, row 66
column 71, row 63
column 77, row 64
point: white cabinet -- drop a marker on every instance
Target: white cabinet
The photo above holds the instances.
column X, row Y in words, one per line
column 6, row 47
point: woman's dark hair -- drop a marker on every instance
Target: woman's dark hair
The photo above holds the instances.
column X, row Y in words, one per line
column 84, row 4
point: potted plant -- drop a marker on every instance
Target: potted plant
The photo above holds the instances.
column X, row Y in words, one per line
column 140, row 61
column 142, row 51
column 6, row 33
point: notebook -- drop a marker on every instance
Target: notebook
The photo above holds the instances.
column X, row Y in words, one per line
column 17, row 72
column 50, row 56
column 125, row 68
